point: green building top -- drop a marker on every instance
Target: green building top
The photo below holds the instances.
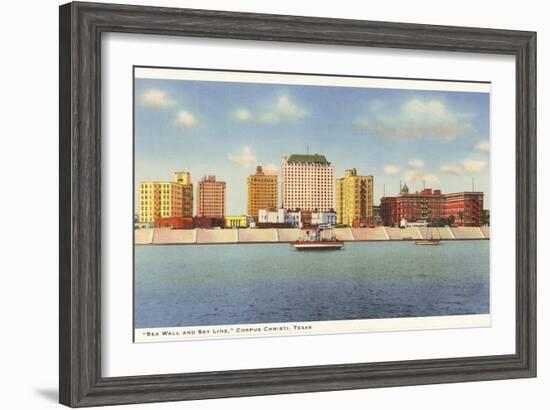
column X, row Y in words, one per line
column 315, row 158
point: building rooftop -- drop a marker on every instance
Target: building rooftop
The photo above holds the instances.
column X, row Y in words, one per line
column 431, row 193
column 315, row 158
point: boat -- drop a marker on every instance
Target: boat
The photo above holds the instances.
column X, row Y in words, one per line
column 320, row 245
column 429, row 241
column 321, row 238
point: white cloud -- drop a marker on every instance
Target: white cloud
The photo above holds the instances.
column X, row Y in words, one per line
column 245, row 158
column 185, row 119
column 157, row 98
column 242, row 115
column 451, row 169
column 417, row 176
column 473, row 165
column 417, row 119
column 270, row 169
column 483, row 146
column 282, row 110
column 467, row 165
column 416, row 163
column 391, row 169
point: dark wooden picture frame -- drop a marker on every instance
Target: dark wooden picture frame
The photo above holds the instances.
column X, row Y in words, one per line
column 81, row 28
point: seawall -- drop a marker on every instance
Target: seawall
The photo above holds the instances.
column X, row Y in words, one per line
column 199, row 236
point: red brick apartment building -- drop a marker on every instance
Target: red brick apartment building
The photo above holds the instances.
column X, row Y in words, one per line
column 175, row 222
column 211, row 198
column 465, row 207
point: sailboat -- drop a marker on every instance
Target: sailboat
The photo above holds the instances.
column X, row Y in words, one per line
column 429, row 241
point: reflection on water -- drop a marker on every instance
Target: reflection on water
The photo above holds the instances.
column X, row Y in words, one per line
column 192, row 285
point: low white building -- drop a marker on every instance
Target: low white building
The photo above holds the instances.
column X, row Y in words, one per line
column 293, row 218
column 323, row 218
column 280, row 216
column 251, row 222
column 271, row 217
column 419, row 224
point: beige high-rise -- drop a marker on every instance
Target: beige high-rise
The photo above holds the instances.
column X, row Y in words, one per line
column 184, row 178
column 211, row 198
column 354, row 198
column 163, row 199
column 307, row 183
column 262, row 192
column 159, row 199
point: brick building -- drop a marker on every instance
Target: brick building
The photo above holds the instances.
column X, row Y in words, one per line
column 465, row 208
column 175, row 222
column 211, row 198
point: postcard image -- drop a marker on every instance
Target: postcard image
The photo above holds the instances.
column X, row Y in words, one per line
column 287, row 204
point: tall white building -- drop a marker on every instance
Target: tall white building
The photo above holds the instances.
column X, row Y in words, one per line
column 307, row 183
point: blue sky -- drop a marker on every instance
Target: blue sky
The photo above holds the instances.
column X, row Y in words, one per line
column 226, row 129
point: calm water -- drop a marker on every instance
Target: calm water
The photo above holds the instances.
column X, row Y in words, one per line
column 230, row 284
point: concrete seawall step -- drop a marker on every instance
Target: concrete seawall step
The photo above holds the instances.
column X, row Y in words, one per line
column 143, row 236
column 437, row 233
column 257, row 235
column 216, row 235
column 393, row 233
column 403, row 233
column 288, row 235
column 165, row 236
column 343, row 234
column 467, row 232
column 444, row 233
column 369, row 234
column 410, row 232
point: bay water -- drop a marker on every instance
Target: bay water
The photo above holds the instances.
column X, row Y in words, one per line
column 198, row 285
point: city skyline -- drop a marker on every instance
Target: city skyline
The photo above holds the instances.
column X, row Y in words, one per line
column 440, row 138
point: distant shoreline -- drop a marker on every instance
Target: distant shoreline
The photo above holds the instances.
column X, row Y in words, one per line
column 198, row 236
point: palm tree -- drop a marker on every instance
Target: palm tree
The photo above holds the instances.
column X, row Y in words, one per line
column 451, row 220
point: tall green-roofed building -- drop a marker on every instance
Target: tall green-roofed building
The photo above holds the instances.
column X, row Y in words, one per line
column 306, row 158
column 307, row 183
